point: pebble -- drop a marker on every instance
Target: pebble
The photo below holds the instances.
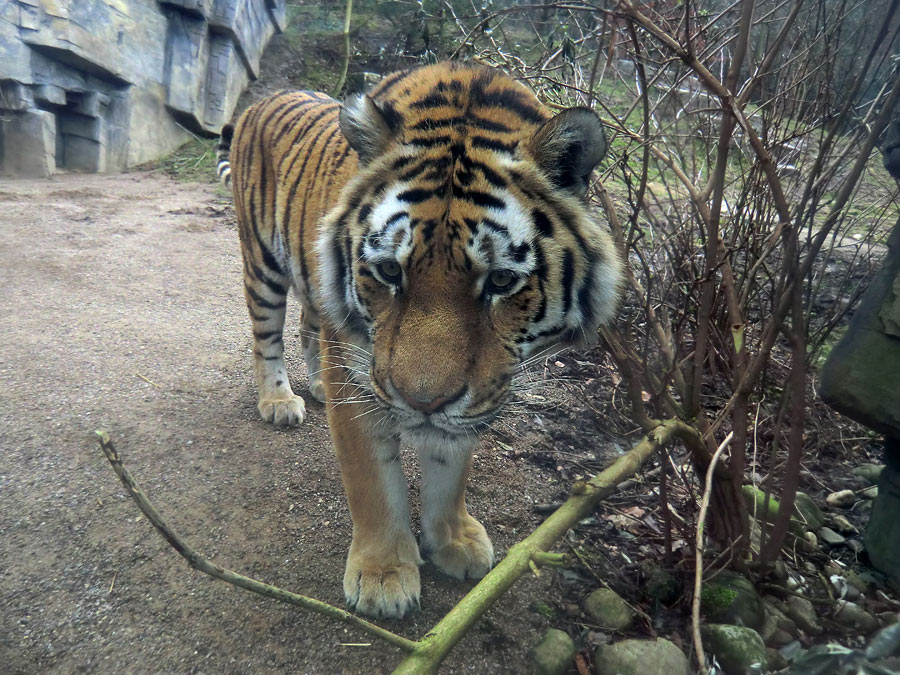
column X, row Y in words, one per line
column 869, row 492
column 803, row 613
column 831, row 537
column 854, row 617
column 841, row 498
column 843, row 525
column 868, row 472
column 553, row 655
column 608, row 610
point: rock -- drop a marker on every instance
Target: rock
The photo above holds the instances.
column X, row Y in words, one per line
column 781, row 638
column 808, row 512
column 869, row 492
column 812, row 540
column 784, row 622
column 841, row 498
column 861, row 582
column 641, row 657
column 831, row 537
column 102, row 86
column 769, row 628
column 855, row 618
column 730, row 598
column 608, row 610
column 868, row 472
column 843, row 525
column 660, row 587
column 885, row 643
column 888, row 618
column 861, row 377
column 882, row 538
column 802, row 612
column 856, row 546
column 889, row 665
column 736, row 648
column 766, row 512
column 776, row 660
column 756, row 503
column 553, row 654
column 780, row 571
column 843, row 588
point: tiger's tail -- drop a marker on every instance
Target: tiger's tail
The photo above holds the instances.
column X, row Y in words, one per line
column 223, row 161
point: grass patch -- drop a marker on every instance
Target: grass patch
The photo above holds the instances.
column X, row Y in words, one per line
column 193, row 162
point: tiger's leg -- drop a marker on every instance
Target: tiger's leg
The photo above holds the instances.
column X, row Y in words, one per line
column 452, row 539
column 266, row 301
column 309, row 340
column 382, row 574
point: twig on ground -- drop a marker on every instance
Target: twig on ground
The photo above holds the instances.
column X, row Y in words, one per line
column 198, row 562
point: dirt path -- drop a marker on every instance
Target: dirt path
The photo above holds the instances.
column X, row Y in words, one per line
column 122, row 311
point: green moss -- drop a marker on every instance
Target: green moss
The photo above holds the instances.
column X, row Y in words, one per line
column 542, row 608
column 716, row 599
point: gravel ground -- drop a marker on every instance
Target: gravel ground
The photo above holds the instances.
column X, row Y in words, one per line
column 123, row 311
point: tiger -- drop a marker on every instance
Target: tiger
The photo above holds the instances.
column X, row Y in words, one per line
column 437, row 234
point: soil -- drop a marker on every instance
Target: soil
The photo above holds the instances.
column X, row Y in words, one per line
column 124, row 312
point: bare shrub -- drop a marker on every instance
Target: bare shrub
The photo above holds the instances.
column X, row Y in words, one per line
column 745, row 191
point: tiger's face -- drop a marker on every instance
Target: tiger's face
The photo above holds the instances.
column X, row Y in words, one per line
column 463, row 247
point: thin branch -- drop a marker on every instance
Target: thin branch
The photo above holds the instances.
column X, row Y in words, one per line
column 698, row 557
column 198, row 562
column 346, row 65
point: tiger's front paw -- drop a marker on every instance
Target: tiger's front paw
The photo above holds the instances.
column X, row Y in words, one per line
column 467, row 554
column 282, row 412
column 381, row 590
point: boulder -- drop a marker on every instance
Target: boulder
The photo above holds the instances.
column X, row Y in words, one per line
column 640, row 657
column 730, row 598
column 736, row 648
column 861, row 377
column 882, row 537
column 553, row 654
column 608, row 610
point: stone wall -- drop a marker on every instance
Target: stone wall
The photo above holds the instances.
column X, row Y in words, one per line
column 101, row 85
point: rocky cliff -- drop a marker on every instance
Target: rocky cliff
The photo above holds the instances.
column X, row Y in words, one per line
column 101, row 85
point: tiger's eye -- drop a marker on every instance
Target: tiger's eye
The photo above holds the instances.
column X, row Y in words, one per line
column 501, row 279
column 390, row 271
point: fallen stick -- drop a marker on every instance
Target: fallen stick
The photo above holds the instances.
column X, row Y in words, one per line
column 198, row 562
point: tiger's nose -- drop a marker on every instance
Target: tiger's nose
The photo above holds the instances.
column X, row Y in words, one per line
column 426, row 405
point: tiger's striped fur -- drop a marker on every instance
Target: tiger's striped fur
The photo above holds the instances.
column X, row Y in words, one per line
column 437, row 235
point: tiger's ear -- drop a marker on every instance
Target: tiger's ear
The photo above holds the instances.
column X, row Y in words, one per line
column 568, row 147
column 365, row 127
